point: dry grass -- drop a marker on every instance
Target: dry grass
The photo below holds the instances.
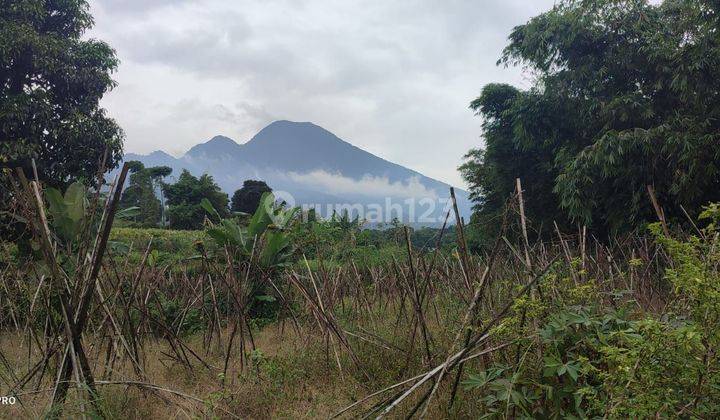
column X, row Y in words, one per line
column 287, row 381
column 346, row 333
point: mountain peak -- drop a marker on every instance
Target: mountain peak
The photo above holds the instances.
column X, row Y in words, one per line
column 220, row 139
column 293, row 124
column 159, row 154
column 293, row 133
column 290, row 123
column 217, row 145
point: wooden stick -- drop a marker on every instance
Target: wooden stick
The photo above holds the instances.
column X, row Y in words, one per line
column 658, row 210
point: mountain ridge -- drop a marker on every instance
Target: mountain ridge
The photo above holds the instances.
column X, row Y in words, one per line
column 310, row 163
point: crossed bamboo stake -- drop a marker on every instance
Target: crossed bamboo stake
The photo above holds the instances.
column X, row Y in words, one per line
column 75, row 299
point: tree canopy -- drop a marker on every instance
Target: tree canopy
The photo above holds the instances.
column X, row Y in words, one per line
column 141, row 192
column 625, row 96
column 247, row 198
column 51, row 82
column 185, row 197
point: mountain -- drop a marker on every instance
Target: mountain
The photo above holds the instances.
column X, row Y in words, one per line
column 309, row 166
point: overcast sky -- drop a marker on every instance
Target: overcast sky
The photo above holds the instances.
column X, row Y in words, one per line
column 392, row 77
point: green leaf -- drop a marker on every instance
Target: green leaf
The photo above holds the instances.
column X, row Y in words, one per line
column 234, row 232
column 261, row 218
column 572, row 370
column 56, row 203
column 218, row 235
column 127, row 213
column 75, row 201
column 205, row 203
column 477, row 380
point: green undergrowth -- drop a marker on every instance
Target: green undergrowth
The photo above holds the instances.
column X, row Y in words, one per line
column 580, row 353
column 171, row 246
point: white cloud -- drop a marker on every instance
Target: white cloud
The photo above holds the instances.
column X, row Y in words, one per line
column 369, row 186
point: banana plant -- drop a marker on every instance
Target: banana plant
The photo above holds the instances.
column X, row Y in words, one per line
column 266, row 232
column 69, row 215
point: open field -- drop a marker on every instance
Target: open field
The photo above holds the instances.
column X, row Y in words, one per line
column 541, row 243
column 579, row 327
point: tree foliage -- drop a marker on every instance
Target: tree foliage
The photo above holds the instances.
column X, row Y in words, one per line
column 185, row 197
column 247, row 198
column 51, row 82
column 511, row 120
column 625, row 96
column 141, row 193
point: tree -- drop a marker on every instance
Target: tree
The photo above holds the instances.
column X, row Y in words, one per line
column 247, row 198
column 625, row 97
column 141, row 193
column 51, row 82
column 157, row 174
column 509, row 153
column 185, row 197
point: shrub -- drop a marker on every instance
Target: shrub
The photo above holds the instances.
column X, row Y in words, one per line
column 599, row 362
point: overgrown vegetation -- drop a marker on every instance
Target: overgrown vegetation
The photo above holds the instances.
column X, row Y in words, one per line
column 587, row 284
column 555, row 329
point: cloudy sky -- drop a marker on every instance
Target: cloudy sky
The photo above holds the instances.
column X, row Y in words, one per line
column 392, row 77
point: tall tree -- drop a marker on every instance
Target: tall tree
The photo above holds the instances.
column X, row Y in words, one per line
column 158, row 174
column 141, row 193
column 184, row 198
column 625, row 96
column 247, row 198
column 51, row 82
